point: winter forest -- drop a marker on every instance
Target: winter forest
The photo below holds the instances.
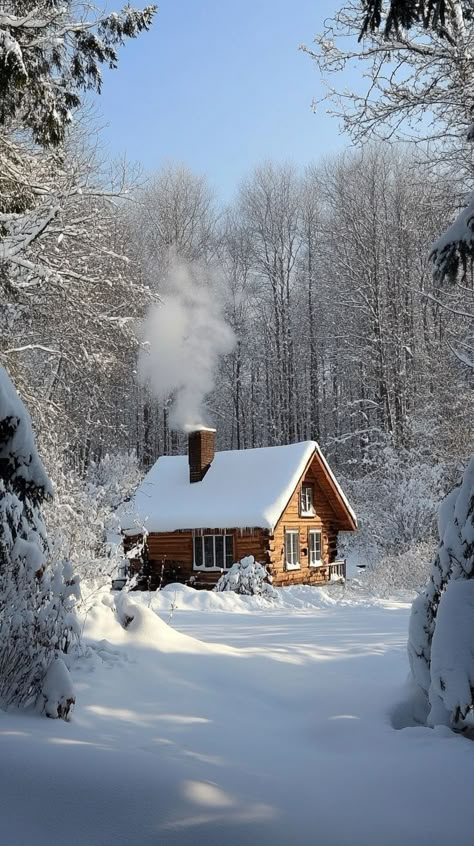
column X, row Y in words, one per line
column 331, row 302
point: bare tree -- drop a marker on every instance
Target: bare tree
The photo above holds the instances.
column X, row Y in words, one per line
column 175, row 213
column 269, row 204
column 421, row 76
column 418, row 58
column 174, row 216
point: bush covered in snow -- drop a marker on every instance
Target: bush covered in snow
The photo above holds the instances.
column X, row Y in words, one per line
column 391, row 572
column 441, row 635
column 36, row 609
column 246, row 577
column 396, row 501
column 57, row 691
column 84, row 524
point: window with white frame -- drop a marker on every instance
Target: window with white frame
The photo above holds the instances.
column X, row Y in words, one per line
column 315, row 548
column 306, row 501
column 213, row 552
column 292, row 549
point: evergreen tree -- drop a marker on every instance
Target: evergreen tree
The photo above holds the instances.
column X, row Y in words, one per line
column 35, row 619
column 403, row 14
column 50, row 53
column 441, row 636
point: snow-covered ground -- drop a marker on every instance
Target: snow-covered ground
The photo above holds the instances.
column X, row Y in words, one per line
column 241, row 722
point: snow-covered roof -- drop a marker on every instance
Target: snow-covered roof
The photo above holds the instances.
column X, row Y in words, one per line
column 242, row 488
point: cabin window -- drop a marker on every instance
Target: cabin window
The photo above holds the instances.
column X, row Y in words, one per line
column 213, row 552
column 315, row 548
column 306, row 501
column 292, row 549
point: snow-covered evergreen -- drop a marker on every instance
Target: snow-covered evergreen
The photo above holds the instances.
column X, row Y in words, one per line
column 50, row 54
column 36, row 600
column 441, row 636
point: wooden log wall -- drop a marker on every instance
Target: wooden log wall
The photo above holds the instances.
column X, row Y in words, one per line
column 324, row 520
column 178, row 546
column 175, row 550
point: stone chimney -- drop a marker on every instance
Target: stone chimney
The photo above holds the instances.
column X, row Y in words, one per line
column 201, row 448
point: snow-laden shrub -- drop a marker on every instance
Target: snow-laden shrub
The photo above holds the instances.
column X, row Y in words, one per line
column 246, row 577
column 441, row 632
column 396, row 502
column 57, row 691
column 390, row 572
column 84, row 525
column 36, row 612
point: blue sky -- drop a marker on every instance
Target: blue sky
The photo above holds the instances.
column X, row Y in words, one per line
column 221, row 86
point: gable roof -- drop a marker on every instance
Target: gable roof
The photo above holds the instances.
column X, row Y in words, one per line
column 242, row 489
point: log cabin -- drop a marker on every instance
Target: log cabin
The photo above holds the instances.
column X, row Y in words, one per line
column 198, row 514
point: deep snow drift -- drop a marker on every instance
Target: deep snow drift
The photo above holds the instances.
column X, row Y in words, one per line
column 240, row 721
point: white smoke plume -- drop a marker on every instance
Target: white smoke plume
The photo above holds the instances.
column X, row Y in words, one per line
column 183, row 340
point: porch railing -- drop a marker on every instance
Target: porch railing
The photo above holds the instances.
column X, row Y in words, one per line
column 337, row 570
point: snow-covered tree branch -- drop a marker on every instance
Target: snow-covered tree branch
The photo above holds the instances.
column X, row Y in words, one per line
column 50, row 55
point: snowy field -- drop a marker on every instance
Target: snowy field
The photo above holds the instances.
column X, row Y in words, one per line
column 241, row 722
